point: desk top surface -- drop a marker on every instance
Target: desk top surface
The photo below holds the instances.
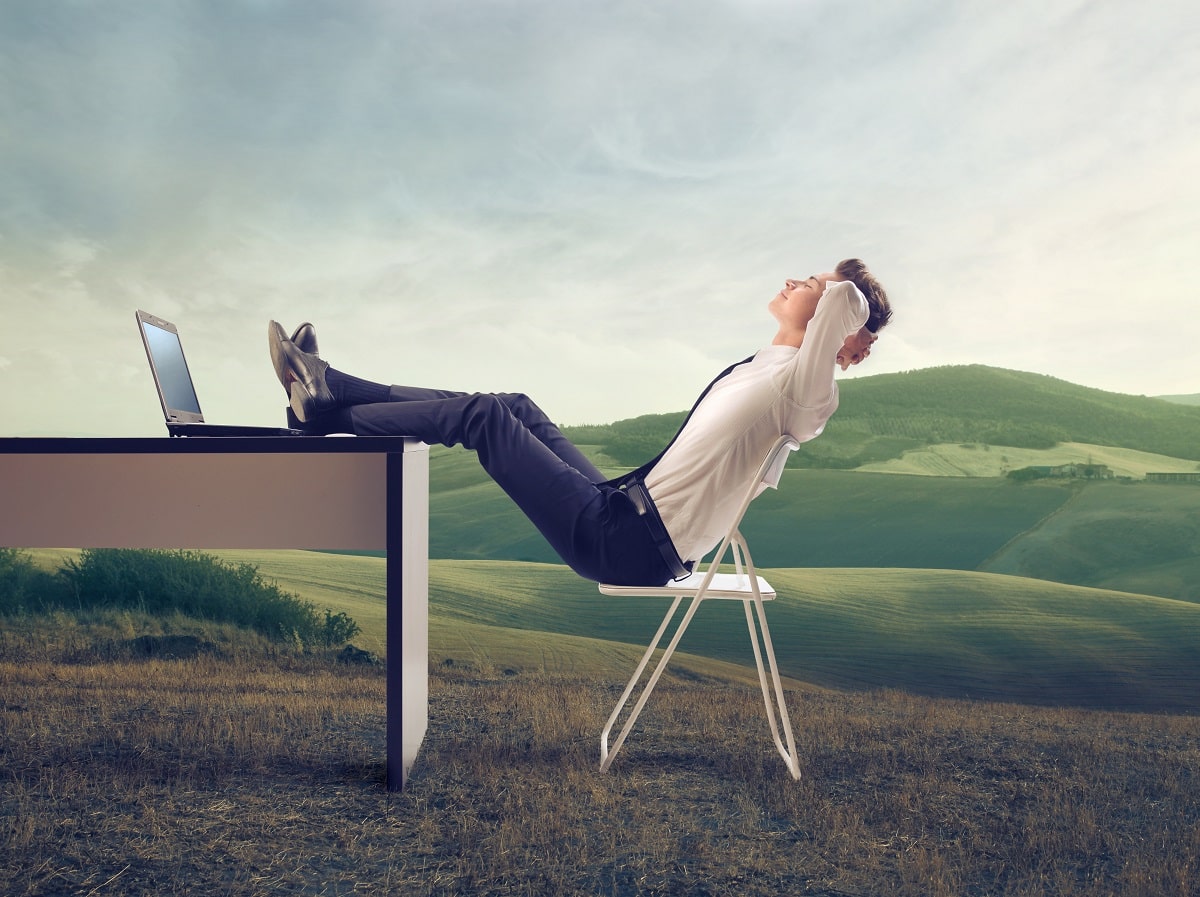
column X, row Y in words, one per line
column 255, row 445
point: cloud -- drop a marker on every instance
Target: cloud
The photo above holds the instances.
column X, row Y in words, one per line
column 573, row 194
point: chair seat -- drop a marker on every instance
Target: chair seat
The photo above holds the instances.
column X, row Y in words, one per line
column 735, row 586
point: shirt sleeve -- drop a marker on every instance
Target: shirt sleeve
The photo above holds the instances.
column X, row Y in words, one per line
column 841, row 311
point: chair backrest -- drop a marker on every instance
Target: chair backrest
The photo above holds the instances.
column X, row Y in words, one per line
column 769, row 472
column 772, row 468
column 768, row 475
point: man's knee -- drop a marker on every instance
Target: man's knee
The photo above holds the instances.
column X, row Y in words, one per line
column 482, row 413
column 523, row 407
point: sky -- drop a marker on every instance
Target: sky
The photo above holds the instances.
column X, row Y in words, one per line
column 590, row 202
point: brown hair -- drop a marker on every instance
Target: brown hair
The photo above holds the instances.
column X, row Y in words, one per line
column 855, row 271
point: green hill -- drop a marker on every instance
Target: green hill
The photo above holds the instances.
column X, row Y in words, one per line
column 1143, row 538
column 999, row 407
column 882, row 416
column 834, row 518
column 932, row 632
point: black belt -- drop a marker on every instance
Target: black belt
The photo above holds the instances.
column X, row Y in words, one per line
column 634, row 486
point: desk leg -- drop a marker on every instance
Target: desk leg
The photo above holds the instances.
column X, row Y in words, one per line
column 407, row 611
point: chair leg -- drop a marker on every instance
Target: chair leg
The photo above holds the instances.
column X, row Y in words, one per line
column 606, row 755
column 778, row 708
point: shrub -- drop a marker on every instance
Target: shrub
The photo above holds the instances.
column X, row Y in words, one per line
column 339, row 628
column 24, row 587
column 1027, row 435
column 198, row 585
column 1026, row 474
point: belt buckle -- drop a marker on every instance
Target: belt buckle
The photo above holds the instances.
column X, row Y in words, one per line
column 638, row 495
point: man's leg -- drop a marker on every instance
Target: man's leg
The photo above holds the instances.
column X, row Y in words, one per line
column 547, row 432
column 593, row 527
column 320, row 396
column 347, row 389
column 562, row 501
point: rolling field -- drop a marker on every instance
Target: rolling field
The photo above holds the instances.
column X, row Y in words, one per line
column 930, row 632
column 839, row 518
column 1143, row 539
column 943, row 633
column 980, row 460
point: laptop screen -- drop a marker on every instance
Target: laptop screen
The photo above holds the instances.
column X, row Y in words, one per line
column 170, row 368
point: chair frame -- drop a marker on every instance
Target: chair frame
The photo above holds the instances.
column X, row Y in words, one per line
column 743, row 585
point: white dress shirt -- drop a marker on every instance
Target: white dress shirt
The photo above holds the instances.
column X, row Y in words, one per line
column 699, row 483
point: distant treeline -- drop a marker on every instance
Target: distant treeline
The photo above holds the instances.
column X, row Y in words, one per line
column 883, row 416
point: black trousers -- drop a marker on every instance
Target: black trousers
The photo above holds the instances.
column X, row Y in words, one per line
column 593, row 526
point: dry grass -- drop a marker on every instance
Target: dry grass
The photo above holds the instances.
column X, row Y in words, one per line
column 258, row 772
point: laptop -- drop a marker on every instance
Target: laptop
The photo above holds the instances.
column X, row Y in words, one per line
column 176, row 392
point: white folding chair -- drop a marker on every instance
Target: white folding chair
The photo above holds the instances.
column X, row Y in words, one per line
column 743, row 585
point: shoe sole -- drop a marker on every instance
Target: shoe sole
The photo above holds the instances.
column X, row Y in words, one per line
column 275, row 336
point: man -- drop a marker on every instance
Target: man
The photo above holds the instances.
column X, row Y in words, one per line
column 654, row 524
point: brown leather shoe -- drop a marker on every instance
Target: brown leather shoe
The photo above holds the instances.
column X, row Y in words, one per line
column 304, row 375
column 305, row 339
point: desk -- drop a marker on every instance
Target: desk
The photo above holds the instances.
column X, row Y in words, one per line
column 363, row 492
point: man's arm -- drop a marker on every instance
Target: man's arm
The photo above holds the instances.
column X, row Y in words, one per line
column 841, row 311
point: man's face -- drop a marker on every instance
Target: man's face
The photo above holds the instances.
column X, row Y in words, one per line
column 856, row 348
column 794, row 306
